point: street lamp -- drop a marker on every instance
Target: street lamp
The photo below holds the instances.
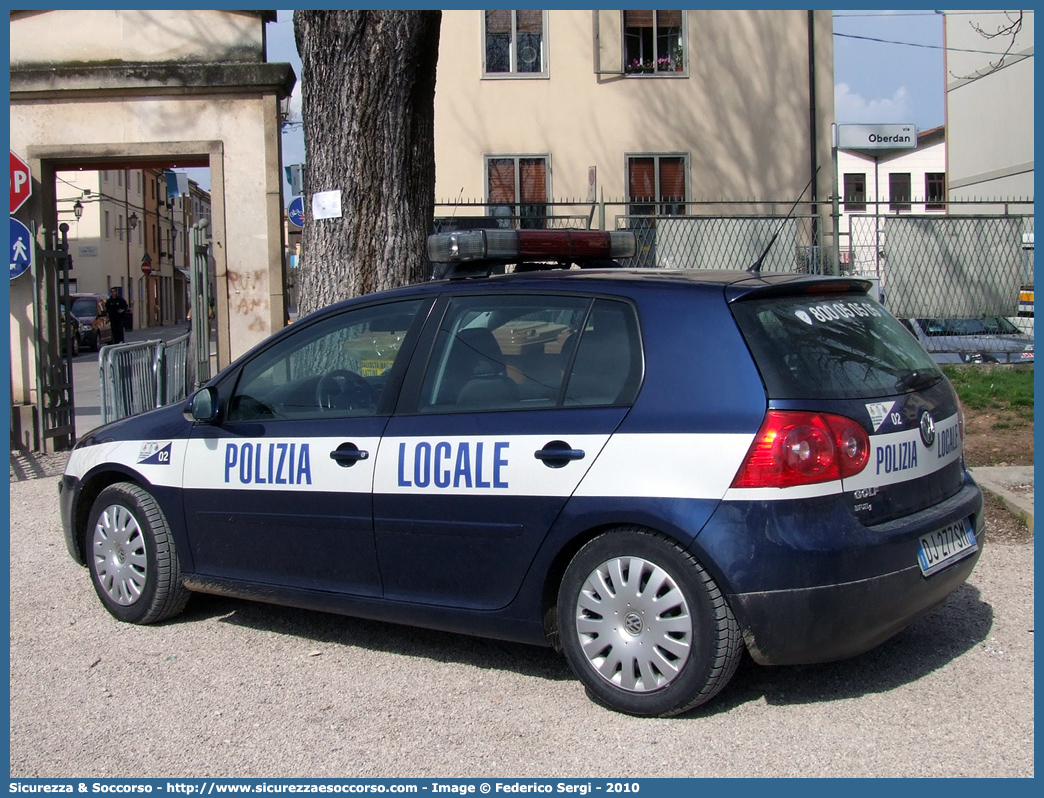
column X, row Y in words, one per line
column 132, row 223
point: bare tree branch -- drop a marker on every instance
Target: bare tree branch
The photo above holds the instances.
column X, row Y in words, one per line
column 1009, row 31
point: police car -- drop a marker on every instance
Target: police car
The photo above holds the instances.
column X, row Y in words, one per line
column 651, row 470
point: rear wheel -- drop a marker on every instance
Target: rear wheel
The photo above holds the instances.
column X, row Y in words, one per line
column 131, row 556
column 644, row 626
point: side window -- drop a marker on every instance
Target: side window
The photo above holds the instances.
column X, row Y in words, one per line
column 335, row 368
column 608, row 365
column 524, row 352
column 502, row 353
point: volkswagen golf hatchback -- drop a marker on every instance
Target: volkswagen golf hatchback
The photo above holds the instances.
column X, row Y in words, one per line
column 651, row 470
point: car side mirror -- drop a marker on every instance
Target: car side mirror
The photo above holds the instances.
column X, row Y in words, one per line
column 202, row 406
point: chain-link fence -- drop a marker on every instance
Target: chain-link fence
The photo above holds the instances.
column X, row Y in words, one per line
column 732, row 242
column 973, row 259
column 701, row 235
column 944, row 266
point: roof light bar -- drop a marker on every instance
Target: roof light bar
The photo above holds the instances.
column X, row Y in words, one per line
column 513, row 245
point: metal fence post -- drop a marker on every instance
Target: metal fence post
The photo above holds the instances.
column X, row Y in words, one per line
column 159, row 372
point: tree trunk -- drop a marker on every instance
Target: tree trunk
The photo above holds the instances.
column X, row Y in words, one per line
column 368, row 104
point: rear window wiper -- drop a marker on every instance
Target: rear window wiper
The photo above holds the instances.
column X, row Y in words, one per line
column 916, row 379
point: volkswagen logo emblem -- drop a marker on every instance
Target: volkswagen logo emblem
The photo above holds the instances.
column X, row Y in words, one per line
column 633, row 623
column 927, row 429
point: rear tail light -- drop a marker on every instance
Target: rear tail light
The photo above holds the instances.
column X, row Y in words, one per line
column 800, row 448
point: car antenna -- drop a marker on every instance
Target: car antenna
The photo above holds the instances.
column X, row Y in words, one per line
column 755, row 268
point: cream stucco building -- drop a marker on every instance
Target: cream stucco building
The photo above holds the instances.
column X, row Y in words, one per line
column 666, row 106
column 989, row 103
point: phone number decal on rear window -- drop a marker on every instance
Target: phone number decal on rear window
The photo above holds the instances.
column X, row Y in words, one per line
column 838, row 311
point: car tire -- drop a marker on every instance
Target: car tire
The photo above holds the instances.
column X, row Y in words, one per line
column 644, row 626
column 132, row 558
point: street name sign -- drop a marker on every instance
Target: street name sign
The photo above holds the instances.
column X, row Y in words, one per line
column 876, row 137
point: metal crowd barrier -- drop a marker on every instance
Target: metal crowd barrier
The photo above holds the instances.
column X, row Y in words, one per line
column 142, row 376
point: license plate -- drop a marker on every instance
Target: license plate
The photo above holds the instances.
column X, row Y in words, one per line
column 945, row 546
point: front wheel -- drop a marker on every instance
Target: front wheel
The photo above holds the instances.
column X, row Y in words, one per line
column 131, row 556
column 644, row 626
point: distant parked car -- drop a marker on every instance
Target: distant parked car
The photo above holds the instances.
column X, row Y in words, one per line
column 992, row 339
column 91, row 320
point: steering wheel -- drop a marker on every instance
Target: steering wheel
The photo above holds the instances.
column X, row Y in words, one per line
column 342, row 389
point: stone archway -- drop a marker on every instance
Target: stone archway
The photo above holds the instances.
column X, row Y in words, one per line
column 119, row 89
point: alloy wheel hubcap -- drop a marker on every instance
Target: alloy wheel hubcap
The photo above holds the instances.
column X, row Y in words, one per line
column 119, row 555
column 634, row 625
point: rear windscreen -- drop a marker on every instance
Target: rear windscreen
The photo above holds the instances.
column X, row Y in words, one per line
column 838, row 346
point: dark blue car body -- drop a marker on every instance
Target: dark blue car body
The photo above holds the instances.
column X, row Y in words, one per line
column 469, row 524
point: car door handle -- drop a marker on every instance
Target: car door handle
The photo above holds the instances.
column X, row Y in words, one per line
column 348, row 454
column 557, row 454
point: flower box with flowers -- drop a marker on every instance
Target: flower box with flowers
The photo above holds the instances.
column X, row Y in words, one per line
column 650, row 67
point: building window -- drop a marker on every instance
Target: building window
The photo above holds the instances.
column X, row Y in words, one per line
column 935, row 191
column 899, row 191
column 517, row 190
column 654, row 42
column 855, row 192
column 515, row 44
column 106, row 224
column 119, row 227
column 656, row 185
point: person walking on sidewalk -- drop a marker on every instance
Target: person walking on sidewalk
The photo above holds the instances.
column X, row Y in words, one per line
column 116, row 308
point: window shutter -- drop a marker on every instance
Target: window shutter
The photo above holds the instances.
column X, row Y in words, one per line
column 672, row 179
column 529, row 21
column 533, row 176
column 501, row 181
column 498, row 21
column 638, row 19
column 641, row 178
column 668, row 19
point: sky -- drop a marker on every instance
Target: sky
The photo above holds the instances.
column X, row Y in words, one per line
column 888, row 69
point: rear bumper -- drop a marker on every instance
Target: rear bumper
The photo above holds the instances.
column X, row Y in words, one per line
column 808, row 583
column 821, row 624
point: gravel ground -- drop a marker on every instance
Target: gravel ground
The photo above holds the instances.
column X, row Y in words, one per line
column 236, row 689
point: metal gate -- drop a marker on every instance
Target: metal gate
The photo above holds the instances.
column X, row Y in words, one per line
column 54, row 331
column 199, row 289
